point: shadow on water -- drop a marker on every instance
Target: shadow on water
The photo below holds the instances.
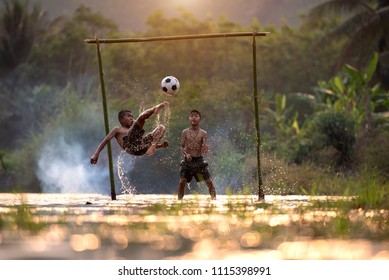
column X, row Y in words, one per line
column 91, row 226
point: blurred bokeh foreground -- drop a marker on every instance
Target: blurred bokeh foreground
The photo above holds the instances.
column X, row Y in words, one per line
column 146, row 227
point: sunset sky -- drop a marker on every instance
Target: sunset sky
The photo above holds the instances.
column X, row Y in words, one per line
column 132, row 14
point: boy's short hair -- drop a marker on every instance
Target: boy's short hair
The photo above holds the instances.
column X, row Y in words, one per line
column 122, row 113
column 195, row 111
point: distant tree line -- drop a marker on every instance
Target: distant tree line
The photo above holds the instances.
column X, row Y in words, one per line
column 310, row 100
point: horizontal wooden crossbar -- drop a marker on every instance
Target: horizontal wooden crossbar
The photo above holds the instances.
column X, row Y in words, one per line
column 172, row 38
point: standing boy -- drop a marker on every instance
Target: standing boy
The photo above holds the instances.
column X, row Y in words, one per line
column 193, row 146
column 130, row 135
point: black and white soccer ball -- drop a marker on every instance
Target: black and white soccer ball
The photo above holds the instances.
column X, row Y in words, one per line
column 170, row 85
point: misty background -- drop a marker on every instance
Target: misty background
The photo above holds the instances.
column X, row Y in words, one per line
column 51, row 116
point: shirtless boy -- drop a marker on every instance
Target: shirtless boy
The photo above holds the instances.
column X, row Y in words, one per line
column 193, row 146
column 130, row 135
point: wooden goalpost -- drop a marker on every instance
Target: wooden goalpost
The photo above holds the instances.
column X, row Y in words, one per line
column 254, row 34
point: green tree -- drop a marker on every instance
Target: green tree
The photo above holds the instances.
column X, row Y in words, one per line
column 286, row 61
column 285, row 124
column 345, row 107
column 365, row 27
column 62, row 57
column 351, row 91
column 20, row 28
column 335, row 129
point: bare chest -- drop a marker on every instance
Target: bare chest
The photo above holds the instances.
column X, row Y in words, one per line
column 194, row 139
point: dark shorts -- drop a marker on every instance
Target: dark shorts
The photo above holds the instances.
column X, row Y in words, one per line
column 197, row 168
column 136, row 143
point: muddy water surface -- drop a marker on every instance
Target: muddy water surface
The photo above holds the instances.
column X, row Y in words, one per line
column 92, row 226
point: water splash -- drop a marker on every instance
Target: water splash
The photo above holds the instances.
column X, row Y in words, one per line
column 166, row 112
column 125, row 164
column 277, row 180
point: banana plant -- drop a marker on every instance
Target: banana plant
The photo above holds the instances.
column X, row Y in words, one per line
column 352, row 91
column 285, row 124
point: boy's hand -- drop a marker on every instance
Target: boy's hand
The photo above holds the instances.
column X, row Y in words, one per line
column 204, row 149
column 188, row 157
column 94, row 158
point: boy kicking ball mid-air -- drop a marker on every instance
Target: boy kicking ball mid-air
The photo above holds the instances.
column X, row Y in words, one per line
column 130, row 135
column 193, row 146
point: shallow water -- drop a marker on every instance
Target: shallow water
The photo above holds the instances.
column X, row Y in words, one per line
column 92, row 226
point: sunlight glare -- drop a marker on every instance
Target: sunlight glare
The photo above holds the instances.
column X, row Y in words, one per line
column 185, row 3
column 120, row 239
column 82, row 242
column 251, row 239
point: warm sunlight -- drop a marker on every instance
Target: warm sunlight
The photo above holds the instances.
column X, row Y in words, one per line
column 187, row 3
column 196, row 7
column 137, row 136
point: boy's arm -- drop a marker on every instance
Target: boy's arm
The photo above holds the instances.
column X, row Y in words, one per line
column 204, row 144
column 182, row 146
column 110, row 135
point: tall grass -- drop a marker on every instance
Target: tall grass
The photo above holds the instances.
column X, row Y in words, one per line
column 371, row 192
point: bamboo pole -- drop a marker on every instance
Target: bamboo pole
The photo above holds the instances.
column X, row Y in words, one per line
column 106, row 124
column 261, row 195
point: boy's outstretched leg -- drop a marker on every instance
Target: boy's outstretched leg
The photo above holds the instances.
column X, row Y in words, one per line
column 147, row 113
column 158, row 133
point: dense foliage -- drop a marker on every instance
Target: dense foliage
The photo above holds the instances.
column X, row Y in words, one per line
column 51, row 104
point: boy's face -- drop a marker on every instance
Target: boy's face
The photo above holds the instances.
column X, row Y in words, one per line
column 128, row 119
column 194, row 118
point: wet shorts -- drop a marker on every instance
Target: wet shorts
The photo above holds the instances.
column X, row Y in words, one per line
column 197, row 168
column 135, row 143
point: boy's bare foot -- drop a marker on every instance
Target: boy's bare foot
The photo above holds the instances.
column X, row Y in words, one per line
column 159, row 107
column 164, row 144
column 151, row 149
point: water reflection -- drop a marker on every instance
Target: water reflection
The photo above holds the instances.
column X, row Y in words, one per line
column 92, row 226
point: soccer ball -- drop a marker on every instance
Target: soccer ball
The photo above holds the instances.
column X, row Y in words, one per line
column 170, row 85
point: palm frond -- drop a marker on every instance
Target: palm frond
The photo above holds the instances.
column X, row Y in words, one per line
column 365, row 39
column 345, row 29
column 339, row 7
column 349, row 26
